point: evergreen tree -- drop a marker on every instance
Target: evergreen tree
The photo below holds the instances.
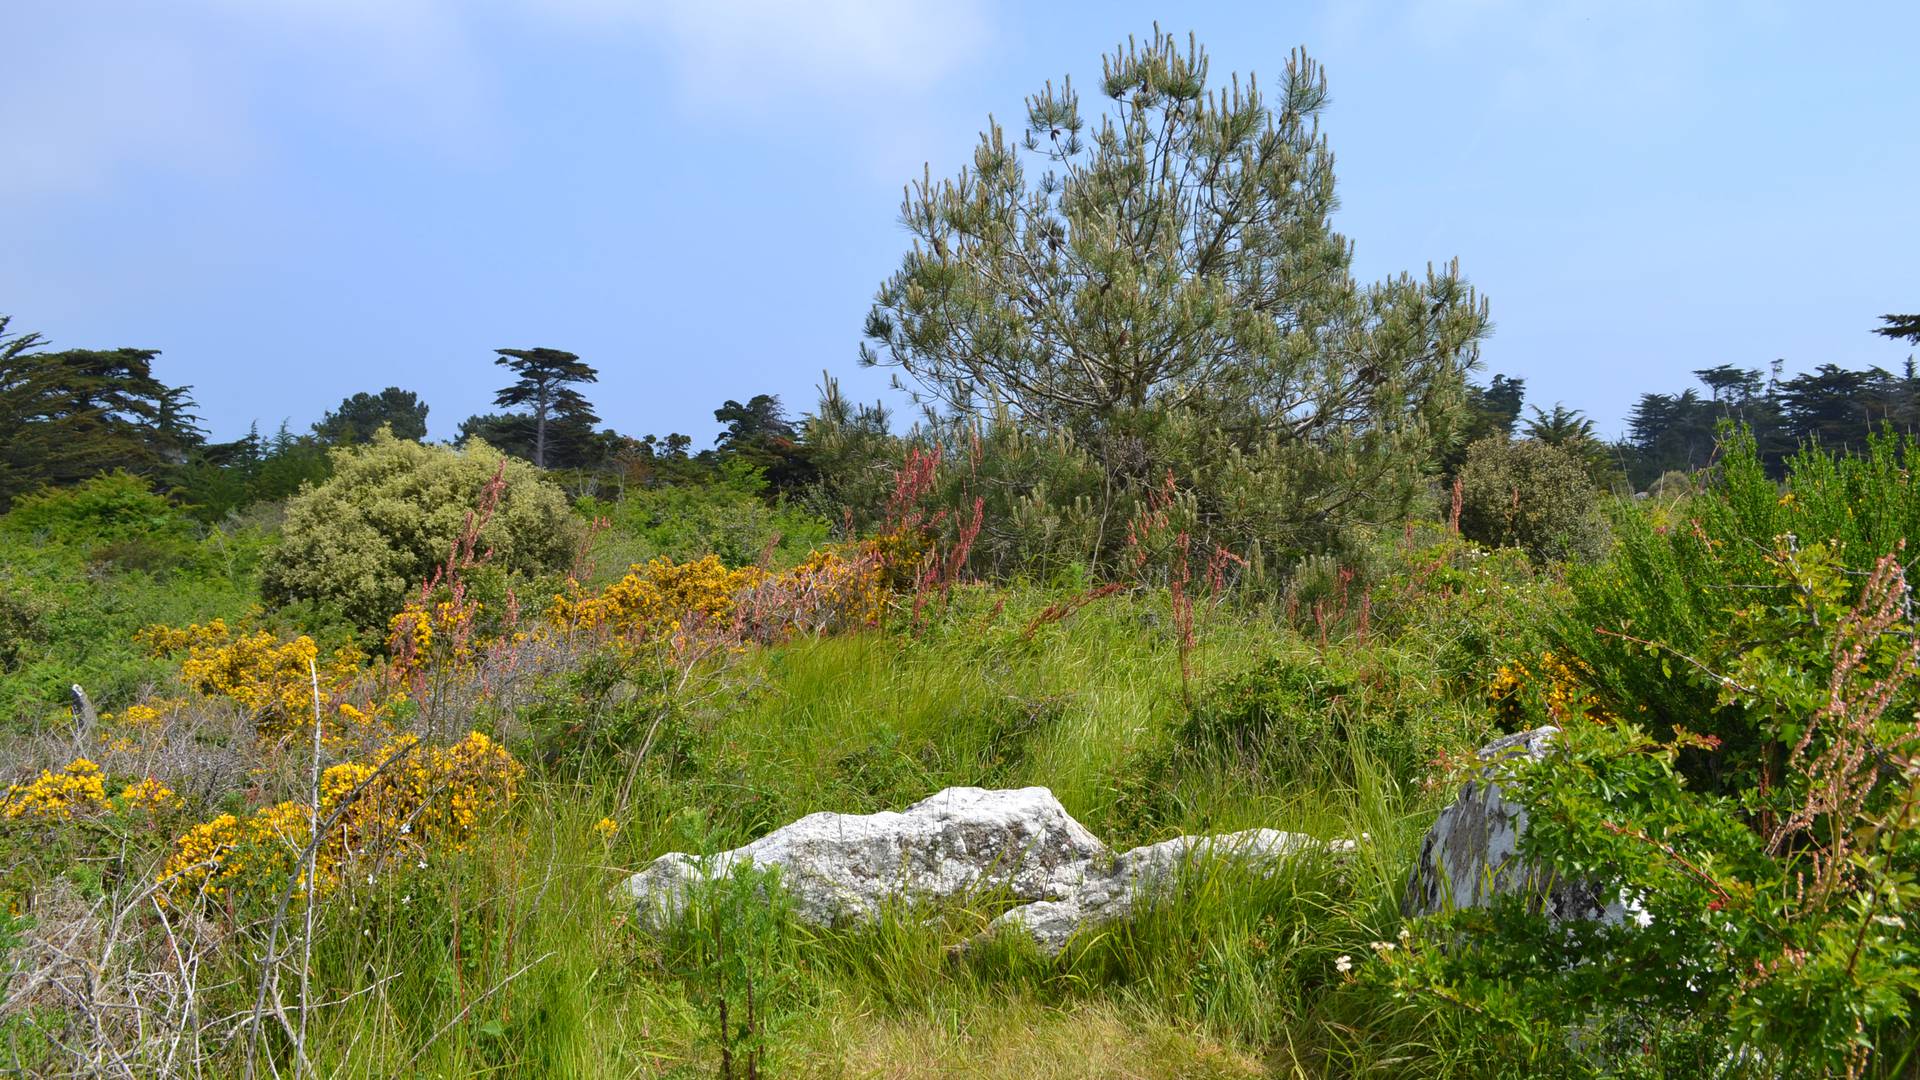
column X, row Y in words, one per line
column 760, row 433
column 359, row 416
column 1900, row 328
column 1168, row 289
column 1493, row 409
column 559, row 413
column 72, row 414
column 1562, row 427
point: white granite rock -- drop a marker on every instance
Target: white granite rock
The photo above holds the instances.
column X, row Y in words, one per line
column 964, row 841
column 1115, row 889
column 846, row 867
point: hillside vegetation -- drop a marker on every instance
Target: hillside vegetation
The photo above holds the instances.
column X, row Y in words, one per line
column 329, row 754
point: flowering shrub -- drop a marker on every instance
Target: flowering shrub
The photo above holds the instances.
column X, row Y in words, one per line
column 655, row 600
column 406, row 801
column 269, row 677
column 80, row 789
column 830, row 590
column 1553, row 689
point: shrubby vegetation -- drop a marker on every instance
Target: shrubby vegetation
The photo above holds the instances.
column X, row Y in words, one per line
column 1205, row 536
column 1530, row 495
column 391, row 511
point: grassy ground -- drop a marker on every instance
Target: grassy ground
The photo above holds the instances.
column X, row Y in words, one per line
column 516, row 958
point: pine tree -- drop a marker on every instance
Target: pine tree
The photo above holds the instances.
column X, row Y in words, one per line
column 1900, row 328
column 1168, row 289
column 545, row 385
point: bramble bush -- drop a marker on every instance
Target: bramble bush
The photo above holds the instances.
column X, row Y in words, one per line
column 393, row 509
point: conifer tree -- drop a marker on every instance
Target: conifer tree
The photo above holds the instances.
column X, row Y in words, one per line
column 359, row 416
column 1900, row 328
column 545, row 386
column 71, row 414
column 1164, row 283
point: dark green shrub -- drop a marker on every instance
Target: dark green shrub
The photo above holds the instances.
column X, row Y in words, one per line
column 1532, row 496
column 1301, row 717
column 114, row 508
column 391, row 513
column 1756, row 805
column 1678, row 573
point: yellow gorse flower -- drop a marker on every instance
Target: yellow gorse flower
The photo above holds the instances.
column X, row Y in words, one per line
column 269, row 677
column 655, row 600
column 406, row 801
column 1560, row 683
column 81, row 789
column 78, row 788
column 663, row 598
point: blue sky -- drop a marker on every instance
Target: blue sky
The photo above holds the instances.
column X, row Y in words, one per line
column 302, row 199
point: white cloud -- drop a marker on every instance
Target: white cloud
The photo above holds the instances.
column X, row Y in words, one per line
column 754, row 54
column 192, row 87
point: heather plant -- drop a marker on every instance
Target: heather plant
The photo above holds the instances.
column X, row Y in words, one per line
column 393, row 509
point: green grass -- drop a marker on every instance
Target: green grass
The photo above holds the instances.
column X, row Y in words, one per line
column 515, row 958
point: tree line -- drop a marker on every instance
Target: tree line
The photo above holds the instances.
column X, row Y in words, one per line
column 1137, row 311
column 71, row 414
column 1830, row 406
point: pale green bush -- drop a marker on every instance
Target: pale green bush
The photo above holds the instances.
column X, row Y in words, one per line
column 1533, row 496
column 392, row 512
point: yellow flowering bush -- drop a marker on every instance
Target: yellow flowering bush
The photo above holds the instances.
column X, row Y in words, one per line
column 269, row 677
column 80, row 789
column 1553, row 686
column 77, row 789
column 656, row 600
column 829, row 590
column 444, row 633
column 150, row 795
column 406, row 801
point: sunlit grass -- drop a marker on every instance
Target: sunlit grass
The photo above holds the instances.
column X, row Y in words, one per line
column 517, row 958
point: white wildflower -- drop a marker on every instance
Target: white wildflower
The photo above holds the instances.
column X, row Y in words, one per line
column 1343, row 963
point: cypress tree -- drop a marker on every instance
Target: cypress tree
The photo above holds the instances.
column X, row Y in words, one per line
column 545, row 385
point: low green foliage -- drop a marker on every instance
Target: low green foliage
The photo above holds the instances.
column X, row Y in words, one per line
column 730, row 519
column 83, row 568
column 1766, row 844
